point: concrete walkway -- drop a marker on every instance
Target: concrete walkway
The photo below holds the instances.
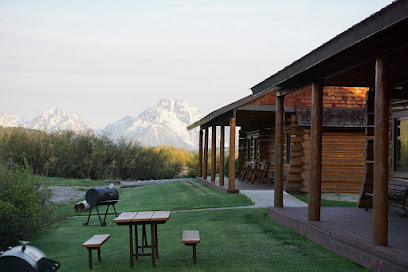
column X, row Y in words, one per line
column 265, row 198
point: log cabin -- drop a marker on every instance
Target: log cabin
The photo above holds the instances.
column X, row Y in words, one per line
column 372, row 54
column 344, row 137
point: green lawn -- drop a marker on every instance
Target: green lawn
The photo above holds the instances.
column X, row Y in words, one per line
column 55, row 181
column 177, row 195
column 231, row 240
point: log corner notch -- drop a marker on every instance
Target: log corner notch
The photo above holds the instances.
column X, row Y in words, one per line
column 316, row 152
column 381, row 127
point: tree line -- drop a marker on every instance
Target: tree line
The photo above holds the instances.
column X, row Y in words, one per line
column 70, row 155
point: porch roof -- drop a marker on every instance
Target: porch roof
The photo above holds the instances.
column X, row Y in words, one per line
column 348, row 59
column 344, row 107
column 247, row 113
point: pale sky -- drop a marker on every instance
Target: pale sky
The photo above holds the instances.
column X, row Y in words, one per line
column 104, row 60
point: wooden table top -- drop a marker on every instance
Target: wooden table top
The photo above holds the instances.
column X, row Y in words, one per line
column 129, row 217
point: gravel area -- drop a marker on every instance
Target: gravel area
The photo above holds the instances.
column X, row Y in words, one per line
column 62, row 194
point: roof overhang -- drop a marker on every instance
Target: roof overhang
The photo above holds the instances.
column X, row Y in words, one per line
column 248, row 113
column 217, row 117
column 348, row 59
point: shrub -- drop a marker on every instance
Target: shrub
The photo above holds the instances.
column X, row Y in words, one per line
column 192, row 166
column 226, row 171
column 23, row 206
column 70, row 155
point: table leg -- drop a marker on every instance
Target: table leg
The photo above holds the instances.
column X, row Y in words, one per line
column 131, row 245
column 157, row 241
column 143, row 239
column 136, row 242
column 194, row 254
column 145, row 236
column 152, row 228
column 99, row 254
column 90, row 257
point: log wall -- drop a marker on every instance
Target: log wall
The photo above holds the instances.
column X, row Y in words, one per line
column 343, row 160
column 294, row 180
column 343, row 154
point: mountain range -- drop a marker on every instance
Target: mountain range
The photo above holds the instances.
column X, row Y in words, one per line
column 164, row 124
column 50, row 121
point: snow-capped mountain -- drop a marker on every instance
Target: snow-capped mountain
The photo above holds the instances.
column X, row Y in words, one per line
column 7, row 120
column 56, row 120
column 117, row 129
column 50, row 121
column 164, row 124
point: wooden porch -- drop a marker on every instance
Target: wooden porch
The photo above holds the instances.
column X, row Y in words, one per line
column 348, row 232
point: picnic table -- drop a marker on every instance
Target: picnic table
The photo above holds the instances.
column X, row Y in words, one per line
column 143, row 218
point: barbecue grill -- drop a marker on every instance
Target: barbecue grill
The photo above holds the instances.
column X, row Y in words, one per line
column 101, row 196
column 26, row 258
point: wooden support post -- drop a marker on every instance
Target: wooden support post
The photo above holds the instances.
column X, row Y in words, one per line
column 381, row 126
column 213, row 152
column 231, row 158
column 279, row 146
column 200, row 154
column 316, row 152
column 222, row 155
column 205, row 164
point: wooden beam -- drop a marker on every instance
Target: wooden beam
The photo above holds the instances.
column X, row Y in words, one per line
column 381, row 127
column 222, row 155
column 316, row 152
column 200, row 154
column 231, row 169
column 279, row 146
column 205, row 165
column 213, row 152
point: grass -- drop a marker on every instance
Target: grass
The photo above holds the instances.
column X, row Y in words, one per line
column 55, row 181
column 231, row 239
column 324, row 202
column 178, row 195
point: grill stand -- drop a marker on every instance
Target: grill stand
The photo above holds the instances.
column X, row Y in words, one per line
column 107, row 203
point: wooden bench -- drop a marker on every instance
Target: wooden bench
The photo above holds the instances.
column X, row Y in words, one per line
column 95, row 243
column 397, row 193
column 192, row 238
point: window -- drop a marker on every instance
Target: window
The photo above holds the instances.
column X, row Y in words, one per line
column 252, row 147
column 401, row 145
column 256, row 143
